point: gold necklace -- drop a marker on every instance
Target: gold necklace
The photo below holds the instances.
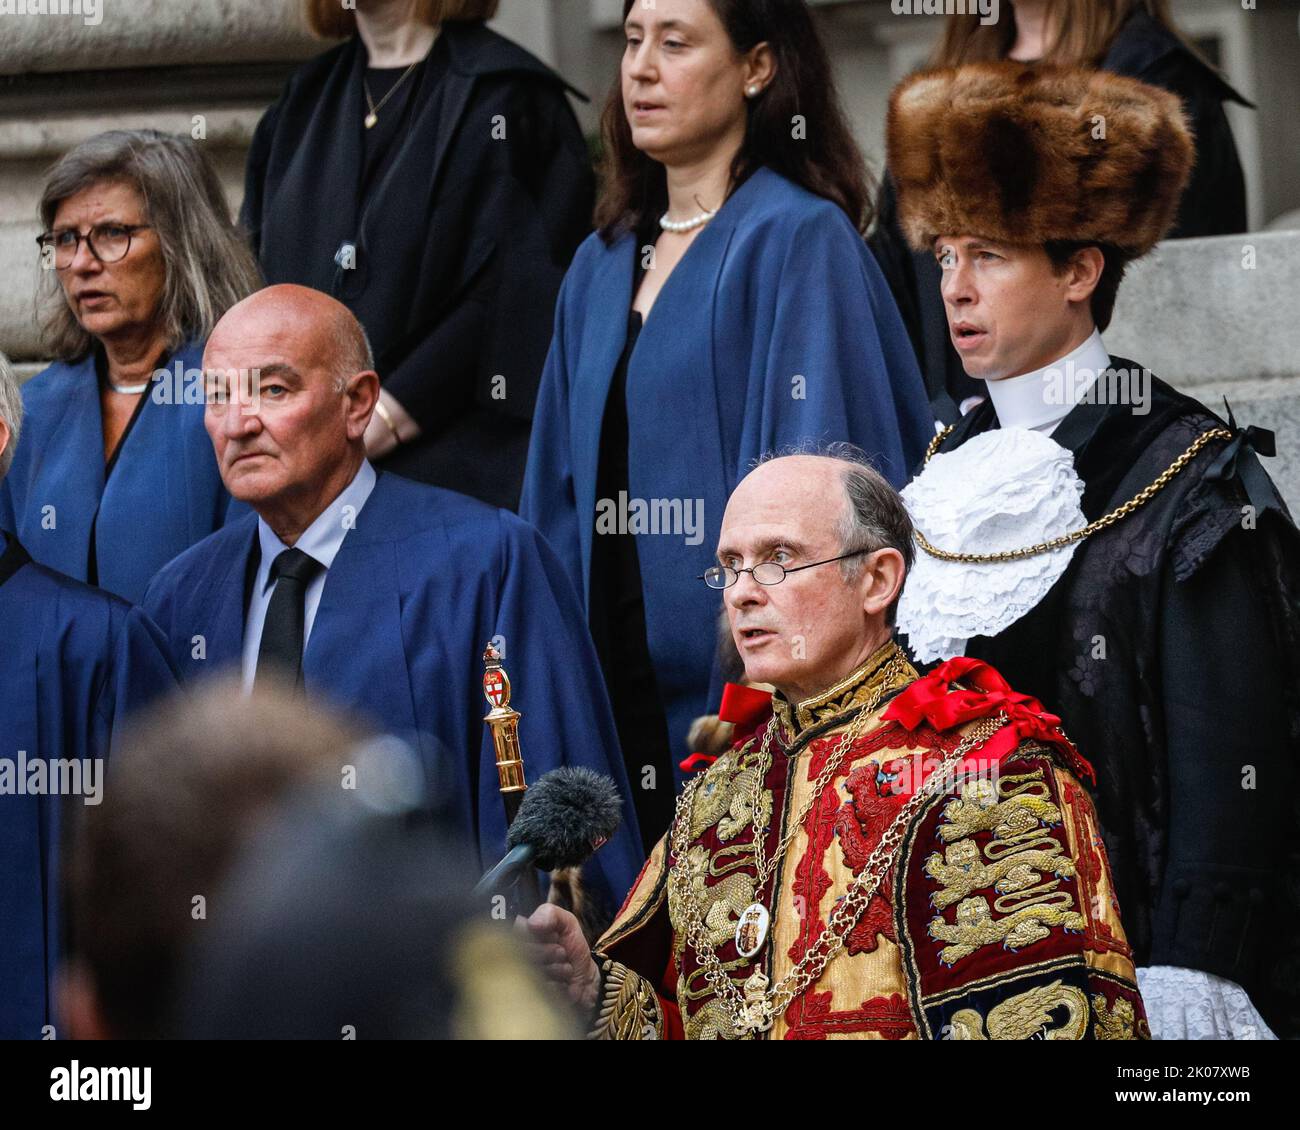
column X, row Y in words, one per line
column 754, row 921
column 372, row 118
column 756, row 1011
column 1140, row 499
column 766, row 867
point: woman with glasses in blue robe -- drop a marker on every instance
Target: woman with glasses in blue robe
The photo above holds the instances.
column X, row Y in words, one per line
column 116, row 475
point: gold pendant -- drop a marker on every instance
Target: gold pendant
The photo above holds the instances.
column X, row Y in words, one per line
column 755, row 1014
column 751, row 930
column 371, row 120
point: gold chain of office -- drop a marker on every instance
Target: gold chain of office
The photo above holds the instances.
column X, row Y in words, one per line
column 888, row 677
column 1140, row 499
column 756, row 1010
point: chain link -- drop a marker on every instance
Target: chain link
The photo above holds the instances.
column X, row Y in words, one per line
column 758, row 1014
column 1141, row 499
column 888, row 676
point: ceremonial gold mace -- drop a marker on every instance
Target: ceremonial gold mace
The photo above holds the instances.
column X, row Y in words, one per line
column 504, row 724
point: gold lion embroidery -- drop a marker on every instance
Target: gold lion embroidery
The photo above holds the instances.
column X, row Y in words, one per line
column 976, row 927
column 961, row 870
column 1115, row 1023
column 725, row 798
column 711, row 1022
column 721, row 902
column 984, row 806
column 1030, row 1015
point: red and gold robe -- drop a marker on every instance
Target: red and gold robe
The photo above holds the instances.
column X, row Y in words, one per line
column 995, row 920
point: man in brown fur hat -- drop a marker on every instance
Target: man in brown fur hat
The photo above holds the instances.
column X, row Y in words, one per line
column 1109, row 544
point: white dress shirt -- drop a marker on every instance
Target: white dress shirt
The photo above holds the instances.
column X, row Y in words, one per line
column 1042, row 399
column 321, row 540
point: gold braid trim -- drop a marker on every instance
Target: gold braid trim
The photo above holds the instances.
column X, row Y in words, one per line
column 629, row 1007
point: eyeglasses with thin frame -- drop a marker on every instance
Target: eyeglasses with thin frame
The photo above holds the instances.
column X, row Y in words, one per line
column 109, row 243
column 765, row 572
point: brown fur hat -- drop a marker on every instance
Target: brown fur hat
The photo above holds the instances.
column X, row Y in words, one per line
column 1010, row 152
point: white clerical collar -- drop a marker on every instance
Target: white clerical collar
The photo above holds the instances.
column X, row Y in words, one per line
column 324, row 537
column 1040, row 400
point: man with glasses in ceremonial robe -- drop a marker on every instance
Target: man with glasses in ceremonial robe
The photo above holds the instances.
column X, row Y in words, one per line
column 888, row 857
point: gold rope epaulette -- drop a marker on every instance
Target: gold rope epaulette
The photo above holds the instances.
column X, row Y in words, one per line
column 1140, row 499
column 629, row 1007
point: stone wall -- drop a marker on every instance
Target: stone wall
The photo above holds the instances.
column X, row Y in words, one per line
column 1217, row 318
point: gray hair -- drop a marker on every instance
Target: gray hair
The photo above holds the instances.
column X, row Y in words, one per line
column 351, row 348
column 208, row 266
column 873, row 516
column 11, row 412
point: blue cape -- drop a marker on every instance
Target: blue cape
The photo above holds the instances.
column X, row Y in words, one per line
column 164, row 493
column 74, row 664
column 776, row 328
column 422, row 583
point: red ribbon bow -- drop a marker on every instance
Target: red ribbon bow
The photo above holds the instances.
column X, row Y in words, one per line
column 983, row 693
column 746, row 708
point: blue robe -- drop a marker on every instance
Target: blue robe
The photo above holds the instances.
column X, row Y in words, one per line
column 775, row 328
column 163, row 495
column 74, row 662
column 421, row 583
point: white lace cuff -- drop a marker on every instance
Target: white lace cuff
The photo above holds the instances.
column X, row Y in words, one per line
column 1187, row 1004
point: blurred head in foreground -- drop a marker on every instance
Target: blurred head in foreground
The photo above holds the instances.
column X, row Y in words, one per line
column 348, row 923
column 259, row 869
column 184, row 791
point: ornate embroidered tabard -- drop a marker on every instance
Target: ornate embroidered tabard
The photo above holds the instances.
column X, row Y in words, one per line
column 998, row 894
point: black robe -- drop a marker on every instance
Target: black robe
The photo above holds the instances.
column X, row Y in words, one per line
column 462, row 237
column 1170, row 648
column 1214, row 202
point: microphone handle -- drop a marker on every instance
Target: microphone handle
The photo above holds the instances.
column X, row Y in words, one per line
column 517, row 863
column 512, row 802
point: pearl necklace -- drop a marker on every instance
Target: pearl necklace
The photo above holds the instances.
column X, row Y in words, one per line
column 128, row 390
column 686, row 225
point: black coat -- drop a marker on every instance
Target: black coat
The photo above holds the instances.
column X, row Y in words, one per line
column 462, row 238
column 1170, row 648
column 1214, row 202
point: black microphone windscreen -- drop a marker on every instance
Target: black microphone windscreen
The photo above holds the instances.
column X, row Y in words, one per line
column 566, row 815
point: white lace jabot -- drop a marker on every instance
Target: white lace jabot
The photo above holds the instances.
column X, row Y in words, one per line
column 1005, row 489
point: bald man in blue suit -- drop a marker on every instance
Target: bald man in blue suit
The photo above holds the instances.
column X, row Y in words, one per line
column 374, row 592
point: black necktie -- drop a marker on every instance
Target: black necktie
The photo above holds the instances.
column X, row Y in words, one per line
column 284, row 627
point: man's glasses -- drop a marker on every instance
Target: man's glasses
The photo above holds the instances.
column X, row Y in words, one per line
column 765, row 572
column 109, row 243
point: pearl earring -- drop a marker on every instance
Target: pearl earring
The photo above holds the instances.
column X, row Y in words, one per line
column 752, row 91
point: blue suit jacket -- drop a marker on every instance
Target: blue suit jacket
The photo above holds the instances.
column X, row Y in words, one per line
column 74, row 663
column 164, row 493
column 776, row 328
column 421, row 584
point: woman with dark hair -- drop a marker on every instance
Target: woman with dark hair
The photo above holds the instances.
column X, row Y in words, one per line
column 1135, row 38
column 727, row 307
column 115, row 474
column 431, row 176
